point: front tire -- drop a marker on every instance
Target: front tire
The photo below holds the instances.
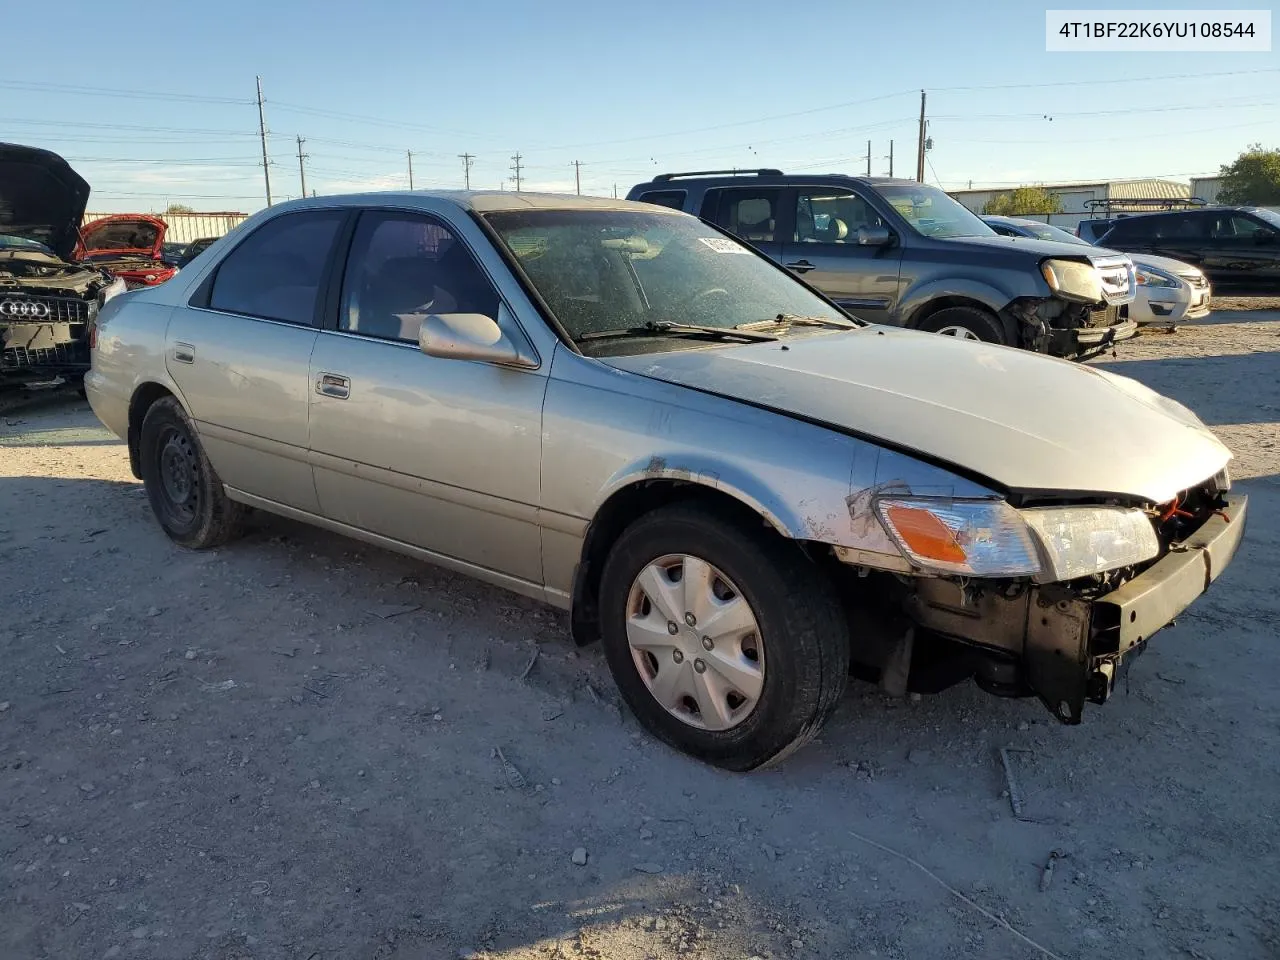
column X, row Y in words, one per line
column 966, row 323
column 185, row 491
column 727, row 644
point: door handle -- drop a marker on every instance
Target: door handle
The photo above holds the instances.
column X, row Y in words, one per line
column 799, row 266
column 333, row 385
column 184, row 353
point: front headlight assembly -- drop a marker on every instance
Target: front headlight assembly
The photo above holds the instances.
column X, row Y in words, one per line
column 1073, row 280
column 989, row 538
column 1151, row 277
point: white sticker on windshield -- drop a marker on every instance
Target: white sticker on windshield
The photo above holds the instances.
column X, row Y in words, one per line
column 724, row 245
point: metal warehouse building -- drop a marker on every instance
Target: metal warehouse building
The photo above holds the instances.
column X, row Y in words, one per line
column 1076, row 196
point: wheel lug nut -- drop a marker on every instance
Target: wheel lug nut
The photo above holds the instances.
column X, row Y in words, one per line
column 706, row 643
column 699, row 666
column 690, row 619
column 677, row 656
column 672, row 627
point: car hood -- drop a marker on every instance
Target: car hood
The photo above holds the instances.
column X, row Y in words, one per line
column 41, row 197
column 1027, row 422
column 1041, row 249
column 123, row 235
column 1167, row 264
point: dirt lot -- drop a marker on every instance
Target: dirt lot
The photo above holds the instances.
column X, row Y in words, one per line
column 286, row 749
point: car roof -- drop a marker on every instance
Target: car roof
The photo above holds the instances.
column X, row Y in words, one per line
column 479, row 201
column 745, row 179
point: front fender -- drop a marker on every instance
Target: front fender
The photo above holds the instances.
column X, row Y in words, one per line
column 982, row 292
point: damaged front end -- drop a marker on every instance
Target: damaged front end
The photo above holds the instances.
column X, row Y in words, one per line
column 1068, row 642
column 46, row 309
column 1087, row 311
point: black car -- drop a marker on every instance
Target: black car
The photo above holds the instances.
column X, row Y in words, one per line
column 195, row 248
column 904, row 253
column 1238, row 248
column 47, row 300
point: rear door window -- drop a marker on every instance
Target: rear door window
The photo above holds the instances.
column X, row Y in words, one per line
column 749, row 213
column 277, row 272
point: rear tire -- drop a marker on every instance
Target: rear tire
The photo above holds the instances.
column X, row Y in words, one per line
column 797, row 657
column 966, row 323
column 185, row 491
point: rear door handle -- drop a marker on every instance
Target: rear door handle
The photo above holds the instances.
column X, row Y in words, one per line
column 333, row 385
column 800, row 266
column 184, row 353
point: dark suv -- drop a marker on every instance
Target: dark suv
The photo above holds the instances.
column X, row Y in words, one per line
column 903, row 253
column 1238, row 248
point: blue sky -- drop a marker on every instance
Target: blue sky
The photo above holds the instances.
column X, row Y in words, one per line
column 627, row 90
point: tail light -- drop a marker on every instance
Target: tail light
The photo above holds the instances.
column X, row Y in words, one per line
column 93, row 335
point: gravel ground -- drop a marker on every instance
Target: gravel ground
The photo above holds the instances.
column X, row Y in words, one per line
column 289, row 748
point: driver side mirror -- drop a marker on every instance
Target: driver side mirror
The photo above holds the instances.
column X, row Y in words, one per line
column 874, row 236
column 471, row 336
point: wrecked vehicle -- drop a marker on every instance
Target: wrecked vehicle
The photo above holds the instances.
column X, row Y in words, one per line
column 617, row 409
column 47, row 301
column 904, row 253
column 130, row 246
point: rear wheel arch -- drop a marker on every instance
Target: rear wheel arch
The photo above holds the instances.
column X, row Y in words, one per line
column 143, row 397
column 618, row 512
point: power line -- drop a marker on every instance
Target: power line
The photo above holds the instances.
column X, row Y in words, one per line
column 1083, row 83
column 122, row 94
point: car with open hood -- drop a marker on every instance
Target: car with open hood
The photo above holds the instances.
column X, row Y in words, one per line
column 47, row 299
column 620, row 410
column 130, row 245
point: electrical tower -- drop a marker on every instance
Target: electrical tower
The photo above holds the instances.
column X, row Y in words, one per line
column 517, row 169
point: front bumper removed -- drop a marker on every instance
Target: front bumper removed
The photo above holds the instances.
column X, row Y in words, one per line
column 1067, row 649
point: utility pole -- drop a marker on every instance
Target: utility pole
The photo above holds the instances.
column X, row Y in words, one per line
column 891, row 158
column 920, row 144
column 262, row 132
column 868, row 158
column 409, row 154
column 516, row 168
column 302, row 170
column 615, row 191
column 577, row 176
column 466, row 159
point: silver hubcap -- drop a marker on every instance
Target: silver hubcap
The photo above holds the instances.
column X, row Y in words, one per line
column 960, row 333
column 695, row 642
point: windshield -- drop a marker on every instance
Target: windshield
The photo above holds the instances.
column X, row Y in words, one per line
column 605, row 270
column 10, row 242
column 933, row 213
column 1270, row 216
column 1047, row 231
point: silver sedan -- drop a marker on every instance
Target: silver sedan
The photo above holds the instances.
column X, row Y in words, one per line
column 622, row 411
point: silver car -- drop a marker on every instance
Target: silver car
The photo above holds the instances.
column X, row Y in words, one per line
column 619, row 410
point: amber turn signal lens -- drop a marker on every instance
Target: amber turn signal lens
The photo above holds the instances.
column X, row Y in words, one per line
column 924, row 534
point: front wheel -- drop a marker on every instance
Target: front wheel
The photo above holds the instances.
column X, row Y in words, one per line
column 185, row 491
column 966, row 323
column 728, row 644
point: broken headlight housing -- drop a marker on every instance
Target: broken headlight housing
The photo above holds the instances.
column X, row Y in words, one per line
column 1073, row 280
column 989, row 538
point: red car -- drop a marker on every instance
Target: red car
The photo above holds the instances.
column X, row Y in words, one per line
column 129, row 246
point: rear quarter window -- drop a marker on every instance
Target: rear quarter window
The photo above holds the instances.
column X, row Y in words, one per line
column 665, row 198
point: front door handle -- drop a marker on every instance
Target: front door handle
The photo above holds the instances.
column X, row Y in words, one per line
column 800, row 266
column 184, row 353
column 333, row 385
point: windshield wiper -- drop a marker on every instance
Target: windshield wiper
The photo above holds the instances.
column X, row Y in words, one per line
column 665, row 328
column 793, row 320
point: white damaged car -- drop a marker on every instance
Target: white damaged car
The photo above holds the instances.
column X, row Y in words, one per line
column 615, row 408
